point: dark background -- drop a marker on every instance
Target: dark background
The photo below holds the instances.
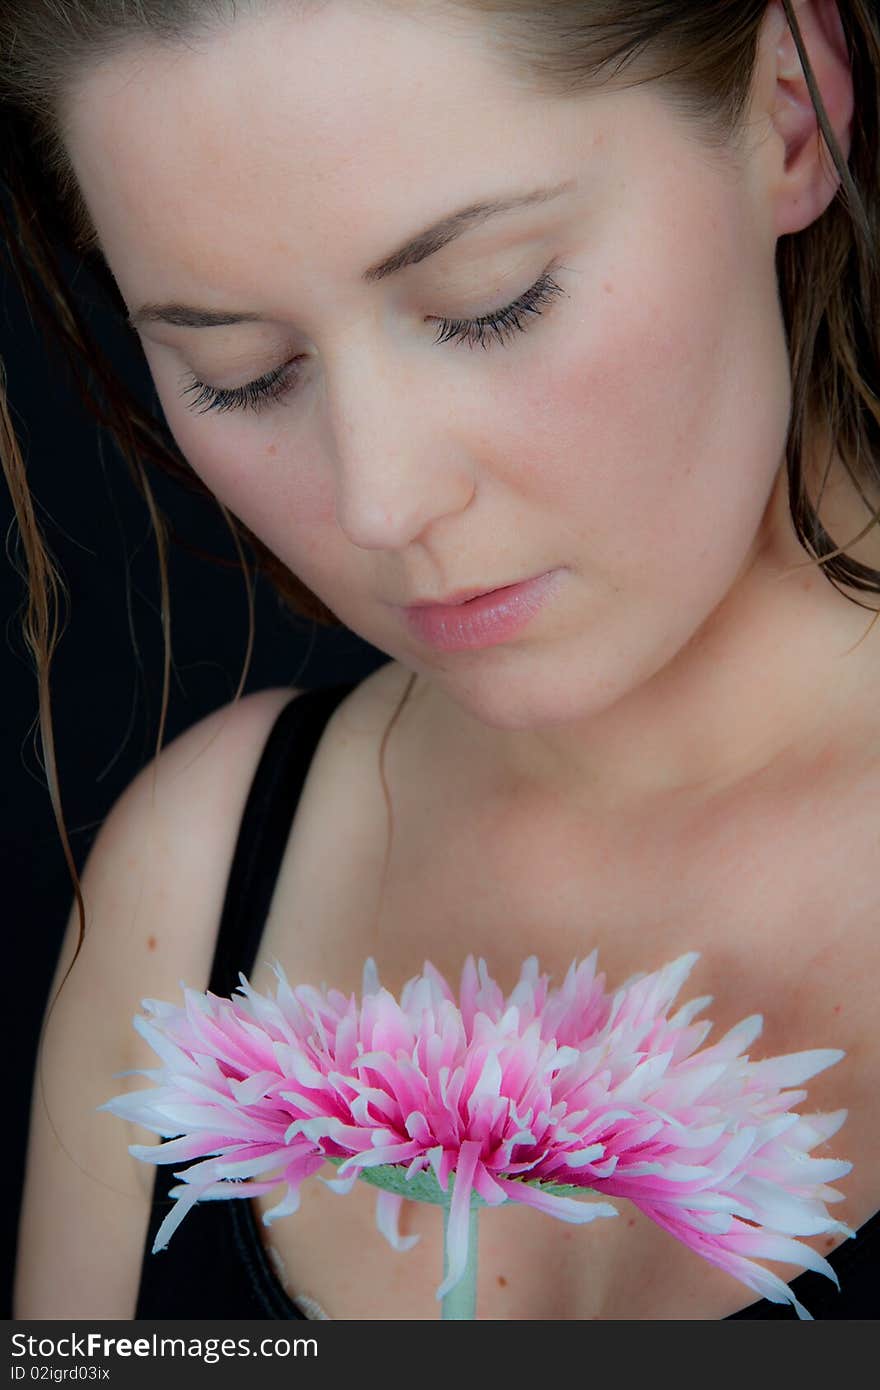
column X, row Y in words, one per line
column 107, row 671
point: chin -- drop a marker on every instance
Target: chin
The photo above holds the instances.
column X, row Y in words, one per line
column 539, row 700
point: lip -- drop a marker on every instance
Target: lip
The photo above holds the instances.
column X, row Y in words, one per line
column 453, row 600
column 480, row 619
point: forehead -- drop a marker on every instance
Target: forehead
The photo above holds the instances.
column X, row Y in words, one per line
column 319, row 133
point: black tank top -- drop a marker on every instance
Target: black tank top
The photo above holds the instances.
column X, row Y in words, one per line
column 215, row 1265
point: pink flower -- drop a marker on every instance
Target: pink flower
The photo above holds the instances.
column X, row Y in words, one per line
column 540, row 1097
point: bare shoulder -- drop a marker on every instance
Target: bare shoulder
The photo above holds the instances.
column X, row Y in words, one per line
column 173, row 835
column 367, row 709
column 171, row 838
column 152, row 888
column 353, row 735
column 156, row 876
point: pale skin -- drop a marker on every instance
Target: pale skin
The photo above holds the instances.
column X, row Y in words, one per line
column 681, row 751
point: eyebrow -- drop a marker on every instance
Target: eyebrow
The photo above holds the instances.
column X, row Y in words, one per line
column 418, row 249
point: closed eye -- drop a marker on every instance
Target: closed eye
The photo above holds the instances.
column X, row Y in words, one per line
column 498, row 326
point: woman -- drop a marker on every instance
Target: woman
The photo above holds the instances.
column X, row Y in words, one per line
column 440, row 301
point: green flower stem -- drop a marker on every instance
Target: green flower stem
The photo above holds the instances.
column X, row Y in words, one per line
column 461, row 1301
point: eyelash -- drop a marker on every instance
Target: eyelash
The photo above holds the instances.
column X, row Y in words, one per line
column 256, row 395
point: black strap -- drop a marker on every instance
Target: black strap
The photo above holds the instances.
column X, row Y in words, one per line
column 265, row 829
column 215, row 1265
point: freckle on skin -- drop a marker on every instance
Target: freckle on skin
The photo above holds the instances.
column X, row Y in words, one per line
column 631, row 1221
column 837, row 1008
column 502, row 1282
column 272, row 450
column 151, row 943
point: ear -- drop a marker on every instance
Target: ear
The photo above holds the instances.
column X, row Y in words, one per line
column 806, row 179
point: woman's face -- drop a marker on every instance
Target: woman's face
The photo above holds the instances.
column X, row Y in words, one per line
column 629, row 438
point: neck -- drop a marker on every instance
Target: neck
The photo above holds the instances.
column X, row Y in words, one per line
column 785, row 668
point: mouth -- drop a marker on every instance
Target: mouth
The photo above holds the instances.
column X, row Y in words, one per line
column 473, row 619
column 460, row 596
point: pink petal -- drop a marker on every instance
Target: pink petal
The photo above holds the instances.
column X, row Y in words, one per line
column 566, row 1208
column 459, row 1216
column 388, row 1208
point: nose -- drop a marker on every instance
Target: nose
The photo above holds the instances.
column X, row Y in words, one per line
column 400, row 466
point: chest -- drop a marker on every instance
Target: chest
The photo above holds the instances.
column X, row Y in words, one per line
column 775, row 889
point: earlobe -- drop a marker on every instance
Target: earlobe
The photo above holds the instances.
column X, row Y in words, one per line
column 808, row 180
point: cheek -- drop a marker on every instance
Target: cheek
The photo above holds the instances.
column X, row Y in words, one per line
column 294, row 506
column 269, row 482
column 657, row 426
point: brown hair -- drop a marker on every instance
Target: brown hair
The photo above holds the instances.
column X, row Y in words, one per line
column 701, row 56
